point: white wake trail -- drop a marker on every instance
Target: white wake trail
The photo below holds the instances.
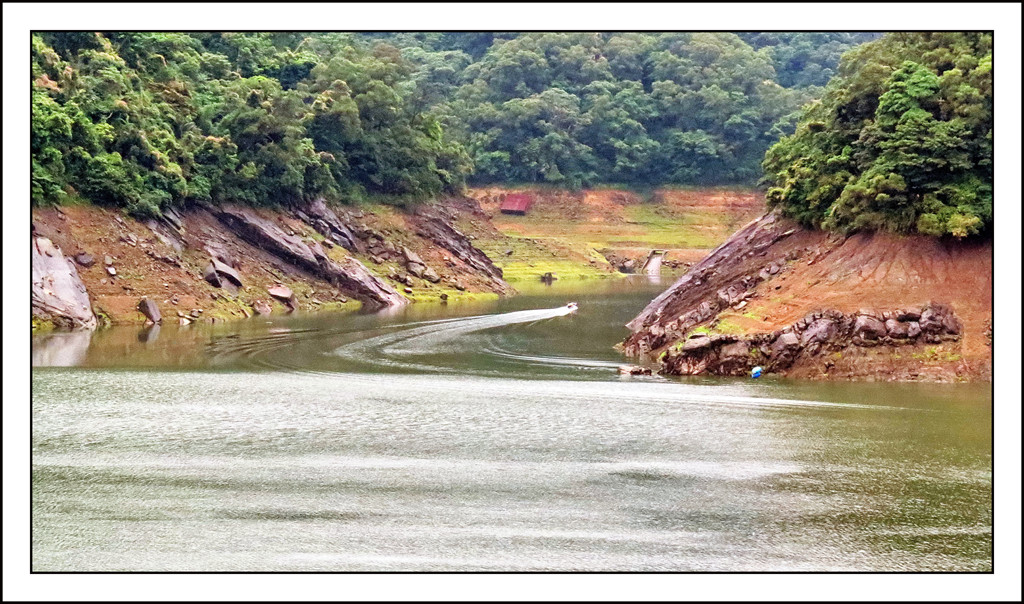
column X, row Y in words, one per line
column 442, row 337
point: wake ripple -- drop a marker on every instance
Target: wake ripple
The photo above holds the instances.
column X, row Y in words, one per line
column 400, row 350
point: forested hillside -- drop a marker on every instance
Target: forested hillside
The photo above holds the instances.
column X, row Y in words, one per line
column 145, row 121
column 901, row 140
column 635, row 108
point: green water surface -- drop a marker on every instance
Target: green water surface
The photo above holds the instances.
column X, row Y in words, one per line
column 492, row 436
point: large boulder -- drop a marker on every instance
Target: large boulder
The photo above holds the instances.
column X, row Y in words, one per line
column 896, row 329
column 819, row 331
column 227, row 272
column 908, row 314
column 58, row 294
column 219, row 274
column 149, row 309
column 869, row 327
column 211, row 276
column 787, row 343
column 935, row 321
column 412, row 257
column 431, row 275
column 700, row 342
column 734, row 358
column 416, row 269
column 951, row 324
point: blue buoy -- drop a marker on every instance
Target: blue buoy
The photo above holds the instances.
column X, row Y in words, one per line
column 756, row 372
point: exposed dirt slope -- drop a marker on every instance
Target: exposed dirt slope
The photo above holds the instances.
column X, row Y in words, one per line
column 772, row 274
column 336, row 260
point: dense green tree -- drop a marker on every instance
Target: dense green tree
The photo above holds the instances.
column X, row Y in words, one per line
column 902, row 140
column 148, row 120
column 803, row 59
column 646, row 102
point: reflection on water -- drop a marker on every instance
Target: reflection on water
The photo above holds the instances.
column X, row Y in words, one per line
column 62, row 349
column 487, row 436
column 149, row 334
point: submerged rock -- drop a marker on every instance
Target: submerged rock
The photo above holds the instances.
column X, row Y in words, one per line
column 633, row 370
column 262, row 308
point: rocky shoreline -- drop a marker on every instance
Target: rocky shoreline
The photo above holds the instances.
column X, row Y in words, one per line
column 221, row 262
column 821, row 336
column 802, row 303
column 796, row 301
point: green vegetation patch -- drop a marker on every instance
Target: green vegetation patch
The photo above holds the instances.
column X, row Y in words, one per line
column 42, row 325
column 901, row 140
column 147, row 121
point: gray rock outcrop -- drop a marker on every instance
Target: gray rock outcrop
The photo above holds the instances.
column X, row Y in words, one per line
column 58, row 294
column 817, row 333
column 349, row 274
column 722, row 279
column 432, row 224
column 327, row 223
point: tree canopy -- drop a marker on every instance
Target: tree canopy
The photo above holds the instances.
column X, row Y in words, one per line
column 147, row 121
column 644, row 109
column 901, row 140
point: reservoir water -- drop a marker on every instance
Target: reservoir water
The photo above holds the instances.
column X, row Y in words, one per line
column 487, row 436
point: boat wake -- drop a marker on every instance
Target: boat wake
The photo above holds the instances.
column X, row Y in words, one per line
column 418, row 348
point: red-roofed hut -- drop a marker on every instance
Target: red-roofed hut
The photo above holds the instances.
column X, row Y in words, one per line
column 517, row 203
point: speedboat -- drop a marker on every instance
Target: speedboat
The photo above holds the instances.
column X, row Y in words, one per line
column 572, row 306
